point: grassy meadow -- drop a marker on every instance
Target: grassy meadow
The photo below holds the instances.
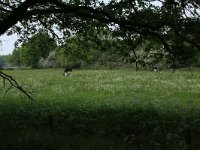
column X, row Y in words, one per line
column 101, row 110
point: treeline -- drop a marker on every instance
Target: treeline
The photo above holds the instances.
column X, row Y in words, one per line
column 97, row 49
column 4, row 61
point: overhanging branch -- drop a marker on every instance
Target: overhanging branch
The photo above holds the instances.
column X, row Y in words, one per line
column 13, row 83
column 7, row 5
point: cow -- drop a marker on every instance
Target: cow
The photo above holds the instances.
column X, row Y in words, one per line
column 67, row 70
column 155, row 68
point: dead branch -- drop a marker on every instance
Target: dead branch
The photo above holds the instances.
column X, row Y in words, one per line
column 13, row 83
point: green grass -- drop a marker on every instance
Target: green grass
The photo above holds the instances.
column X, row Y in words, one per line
column 102, row 109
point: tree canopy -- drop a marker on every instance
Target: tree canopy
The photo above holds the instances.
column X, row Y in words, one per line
column 165, row 20
column 38, row 46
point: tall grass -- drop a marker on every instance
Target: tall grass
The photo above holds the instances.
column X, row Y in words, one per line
column 102, row 109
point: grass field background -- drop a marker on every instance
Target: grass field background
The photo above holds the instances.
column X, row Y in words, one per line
column 102, row 109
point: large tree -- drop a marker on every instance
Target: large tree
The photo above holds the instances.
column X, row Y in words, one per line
column 35, row 48
column 164, row 21
column 38, row 46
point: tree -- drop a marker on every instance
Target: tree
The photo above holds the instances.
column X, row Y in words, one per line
column 15, row 58
column 75, row 50
column 4, row 61
column 38, row 46
column 93, row 46
column 139, row 17
column 50, row 61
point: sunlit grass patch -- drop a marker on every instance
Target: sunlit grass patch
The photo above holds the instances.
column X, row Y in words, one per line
column 98, row 85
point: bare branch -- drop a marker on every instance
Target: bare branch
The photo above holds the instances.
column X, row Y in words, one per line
column 7, row 91
column 13, row 83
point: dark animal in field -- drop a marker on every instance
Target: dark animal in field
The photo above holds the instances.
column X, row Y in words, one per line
column 67, row 70
column 155, row 68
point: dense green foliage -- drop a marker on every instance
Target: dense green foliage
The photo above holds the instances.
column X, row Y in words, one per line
column 15, row 58
column 102, row 109
column 37, row 47
column 99, row 49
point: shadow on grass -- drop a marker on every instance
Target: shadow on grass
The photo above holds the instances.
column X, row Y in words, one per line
column 102, row 128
